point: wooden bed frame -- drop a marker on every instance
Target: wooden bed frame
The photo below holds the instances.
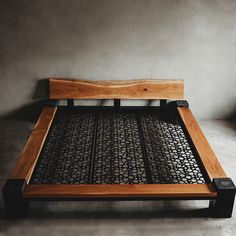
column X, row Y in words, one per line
column 18, row 190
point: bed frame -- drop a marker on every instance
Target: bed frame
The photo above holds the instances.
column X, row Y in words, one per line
column 127, row 164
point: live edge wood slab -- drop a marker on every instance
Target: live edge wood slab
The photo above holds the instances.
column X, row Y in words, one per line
column 122, row 89
column 219, row 189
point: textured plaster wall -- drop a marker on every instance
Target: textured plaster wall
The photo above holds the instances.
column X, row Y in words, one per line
column 127, row 39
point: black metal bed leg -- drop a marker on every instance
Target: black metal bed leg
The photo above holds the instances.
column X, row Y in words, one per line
column 16, row 206
column 222, row 206
column 70, row 102
column 163, row 103
column 117, row 103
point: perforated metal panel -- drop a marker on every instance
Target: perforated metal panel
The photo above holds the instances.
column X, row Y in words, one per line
column 110, row 146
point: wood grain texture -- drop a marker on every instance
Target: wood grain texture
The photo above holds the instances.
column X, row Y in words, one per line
column 122, row 89
column 28, row 158
column 121, row 191
column 203, row 148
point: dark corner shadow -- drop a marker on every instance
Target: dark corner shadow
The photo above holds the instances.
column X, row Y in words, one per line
column 232, row 115
column 31, row 111
column 231, row 118
column 111, row 214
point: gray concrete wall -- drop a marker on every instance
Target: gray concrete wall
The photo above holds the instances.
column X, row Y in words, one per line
column 127, row 39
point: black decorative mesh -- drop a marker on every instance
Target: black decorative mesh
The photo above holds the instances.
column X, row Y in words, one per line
column 116, row 147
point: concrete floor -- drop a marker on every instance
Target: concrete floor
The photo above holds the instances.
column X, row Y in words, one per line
column 117, row 218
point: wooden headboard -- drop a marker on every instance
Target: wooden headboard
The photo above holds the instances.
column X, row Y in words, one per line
column 61, row 88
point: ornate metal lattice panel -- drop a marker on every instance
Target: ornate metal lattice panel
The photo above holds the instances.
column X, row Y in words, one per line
column 116, row 147
column 118, row 157
column 65, row 157
column 170, row 157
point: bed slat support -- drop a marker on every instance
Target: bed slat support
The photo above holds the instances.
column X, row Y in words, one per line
column 145, row 159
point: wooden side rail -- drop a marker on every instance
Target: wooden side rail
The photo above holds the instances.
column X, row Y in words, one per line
column 122, row 89
column 119, row 191
column 203, row 148
column 28, row 158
